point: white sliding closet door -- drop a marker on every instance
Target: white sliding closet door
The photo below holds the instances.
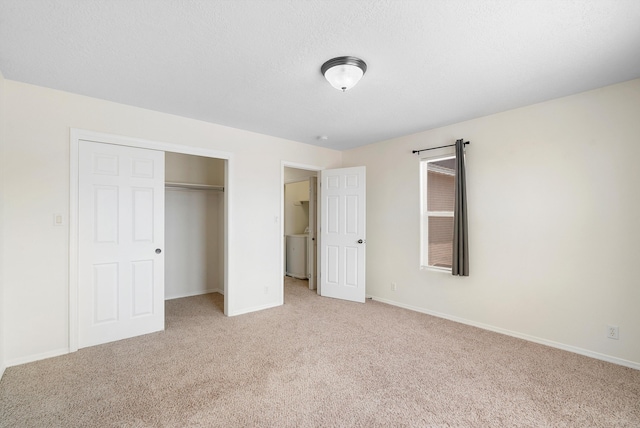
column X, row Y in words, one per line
column 120, row 242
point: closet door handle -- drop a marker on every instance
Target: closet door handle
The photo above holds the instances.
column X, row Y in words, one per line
column 158, row 250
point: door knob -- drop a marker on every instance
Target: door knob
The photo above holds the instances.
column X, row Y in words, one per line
column 360, row 241
column 158, row 250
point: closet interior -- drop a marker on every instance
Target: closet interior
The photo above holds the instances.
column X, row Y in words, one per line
column 194, row 225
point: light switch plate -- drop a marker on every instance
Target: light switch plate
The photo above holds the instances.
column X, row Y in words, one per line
column 58, row 220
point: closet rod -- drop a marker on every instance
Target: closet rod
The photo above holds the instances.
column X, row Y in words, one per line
column 439, row 147
column 194, row 186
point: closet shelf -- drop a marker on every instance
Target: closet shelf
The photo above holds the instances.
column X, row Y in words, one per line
column 174, row 184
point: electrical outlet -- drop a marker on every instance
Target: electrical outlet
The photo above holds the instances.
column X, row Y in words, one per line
column 612, row 332
column 394, row 286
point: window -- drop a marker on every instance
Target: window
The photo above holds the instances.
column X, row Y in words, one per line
column 437, row 201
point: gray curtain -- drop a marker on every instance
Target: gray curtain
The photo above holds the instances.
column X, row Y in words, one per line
column 460, row 230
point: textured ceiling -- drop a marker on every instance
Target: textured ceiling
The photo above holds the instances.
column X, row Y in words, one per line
column 255, row 65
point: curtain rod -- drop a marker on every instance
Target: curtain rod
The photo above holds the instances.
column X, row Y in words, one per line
column 439, row 147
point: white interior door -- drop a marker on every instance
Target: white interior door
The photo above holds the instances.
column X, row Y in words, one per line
column 120, row 242
column 343, row 233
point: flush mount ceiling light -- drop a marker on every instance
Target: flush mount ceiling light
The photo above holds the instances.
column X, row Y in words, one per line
column 343, row 73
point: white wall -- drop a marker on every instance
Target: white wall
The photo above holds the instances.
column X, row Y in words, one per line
column 296, row 214
column 36, row 253
column 2, row 180
column 181, row 168
column 553, row 212
column 291, row 175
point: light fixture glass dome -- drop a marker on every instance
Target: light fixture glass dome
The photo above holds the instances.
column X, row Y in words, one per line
column 344, row 72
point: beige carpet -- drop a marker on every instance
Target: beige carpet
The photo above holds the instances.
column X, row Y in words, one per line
column 318, row 362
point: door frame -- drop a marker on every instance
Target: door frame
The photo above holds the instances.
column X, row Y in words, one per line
column 311, row 168
column 77, row 135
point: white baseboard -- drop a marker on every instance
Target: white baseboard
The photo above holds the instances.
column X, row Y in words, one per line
column 551, row 343
column 37, row 357
column 254, row 309
column 63, row 351
column 195, row 293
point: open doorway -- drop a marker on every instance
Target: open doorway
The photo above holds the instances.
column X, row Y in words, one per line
column 339, row 232
column 194, row 226
column 300, row 225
